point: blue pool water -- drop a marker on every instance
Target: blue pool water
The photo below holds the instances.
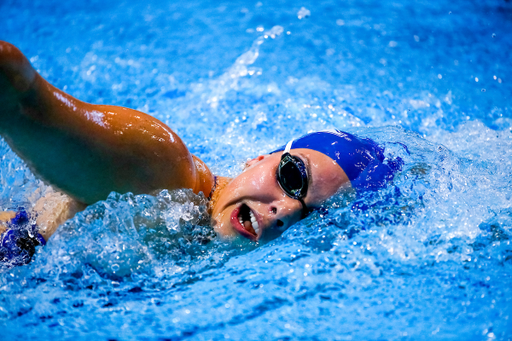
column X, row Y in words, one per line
column 428, row 258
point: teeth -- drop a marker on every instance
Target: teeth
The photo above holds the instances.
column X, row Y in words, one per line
column 254, row 223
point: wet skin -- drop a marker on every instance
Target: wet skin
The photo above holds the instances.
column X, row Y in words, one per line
column 86, row 151
column 256, row 192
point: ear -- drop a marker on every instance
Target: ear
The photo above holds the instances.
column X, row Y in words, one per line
column 254, row 161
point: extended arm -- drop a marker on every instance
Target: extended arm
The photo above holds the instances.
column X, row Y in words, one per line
column 88, row 150
column 49, row 211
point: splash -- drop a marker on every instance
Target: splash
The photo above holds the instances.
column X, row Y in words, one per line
column 241, row 68
column 427, row 257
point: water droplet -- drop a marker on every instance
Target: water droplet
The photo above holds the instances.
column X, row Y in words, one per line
column 494, row 35
column 303, row 13
column 483, row 90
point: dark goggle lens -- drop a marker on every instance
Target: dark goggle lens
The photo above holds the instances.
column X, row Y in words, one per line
column 292, row 176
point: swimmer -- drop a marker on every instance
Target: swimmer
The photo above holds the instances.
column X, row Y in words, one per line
column 85, row 151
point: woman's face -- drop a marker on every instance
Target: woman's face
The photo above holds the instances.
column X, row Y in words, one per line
column 254, row 206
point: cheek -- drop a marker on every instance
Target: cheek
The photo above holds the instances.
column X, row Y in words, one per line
column 221, row 223
column 329, row 184
column 334, row 181
column 251, row 182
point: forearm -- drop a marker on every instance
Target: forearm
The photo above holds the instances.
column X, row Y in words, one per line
column 49, row 211
column 88, row 150
column 53, row 210
column 5, row 217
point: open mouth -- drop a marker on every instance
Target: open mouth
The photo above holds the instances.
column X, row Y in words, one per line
column 245, row 222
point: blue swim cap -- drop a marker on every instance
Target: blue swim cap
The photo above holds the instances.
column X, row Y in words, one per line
column 361, row 159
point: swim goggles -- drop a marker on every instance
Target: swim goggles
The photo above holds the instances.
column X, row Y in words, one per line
column 292, row 177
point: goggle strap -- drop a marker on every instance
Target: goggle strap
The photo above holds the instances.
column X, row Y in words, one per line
column 305, row 209
column 288, row 147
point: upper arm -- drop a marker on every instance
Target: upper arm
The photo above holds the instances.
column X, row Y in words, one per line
column 88, row 150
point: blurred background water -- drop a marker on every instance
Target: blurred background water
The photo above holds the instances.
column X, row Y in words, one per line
column 428, row 258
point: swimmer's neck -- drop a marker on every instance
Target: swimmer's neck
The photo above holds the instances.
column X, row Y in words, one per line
column 219, row 186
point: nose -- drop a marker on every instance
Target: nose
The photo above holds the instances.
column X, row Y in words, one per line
column 281, row 215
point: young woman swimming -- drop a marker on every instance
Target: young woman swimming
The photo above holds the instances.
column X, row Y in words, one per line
column 85, row 151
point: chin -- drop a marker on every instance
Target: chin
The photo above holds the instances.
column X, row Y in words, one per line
column 222, row 227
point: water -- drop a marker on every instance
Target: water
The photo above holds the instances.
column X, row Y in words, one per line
column 427, row 257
